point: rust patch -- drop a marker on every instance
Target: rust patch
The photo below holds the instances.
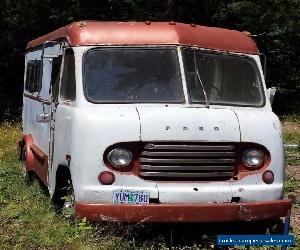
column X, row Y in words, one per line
column 204, row 212
column 245, row 213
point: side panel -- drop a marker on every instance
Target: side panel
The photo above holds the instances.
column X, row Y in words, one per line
column 263, row 128
column 85, row 133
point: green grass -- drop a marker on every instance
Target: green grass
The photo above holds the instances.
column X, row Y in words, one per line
column 28, row 220
column 291, row 137
column 292, row 118
column 291, row 184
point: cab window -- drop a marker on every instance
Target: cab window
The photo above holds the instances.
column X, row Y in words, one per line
column 55, row 77
column 68, row 83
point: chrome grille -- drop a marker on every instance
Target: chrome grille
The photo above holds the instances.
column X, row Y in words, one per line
column 187, row 160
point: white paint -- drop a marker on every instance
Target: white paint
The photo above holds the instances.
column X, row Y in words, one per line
column 84, row 131
column 184, row 124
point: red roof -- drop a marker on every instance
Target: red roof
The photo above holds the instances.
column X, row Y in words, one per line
column 154, row 33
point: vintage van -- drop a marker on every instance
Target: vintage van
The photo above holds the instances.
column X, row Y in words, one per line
column 154, row 122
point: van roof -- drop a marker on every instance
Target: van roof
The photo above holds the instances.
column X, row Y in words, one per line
column 150, row 33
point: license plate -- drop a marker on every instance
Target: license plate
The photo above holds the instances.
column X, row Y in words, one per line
column 130, row 197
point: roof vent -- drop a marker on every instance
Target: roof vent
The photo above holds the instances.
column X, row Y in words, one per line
column 81, row 24
column 148, row 22
column 172, row 23
column 247, row 33
column 193, row 25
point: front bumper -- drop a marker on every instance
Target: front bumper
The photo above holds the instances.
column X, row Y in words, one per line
column 203, row 212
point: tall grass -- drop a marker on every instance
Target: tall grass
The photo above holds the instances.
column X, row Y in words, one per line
column 27, row 220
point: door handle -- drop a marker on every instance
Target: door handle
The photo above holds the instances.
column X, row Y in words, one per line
column 43, row 118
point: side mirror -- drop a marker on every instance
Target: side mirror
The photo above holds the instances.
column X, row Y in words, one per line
column 271, row 93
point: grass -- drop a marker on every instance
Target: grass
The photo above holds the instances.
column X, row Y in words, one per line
column 28, row 220
column 291, row 137
column 292, row 118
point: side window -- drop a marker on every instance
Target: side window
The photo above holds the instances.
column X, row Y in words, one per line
column 68, row 83
column 34, row 72
column 55, row 77
column 29, row 75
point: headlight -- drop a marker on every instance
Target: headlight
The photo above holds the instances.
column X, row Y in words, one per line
column 119, row 157
column 253, row 158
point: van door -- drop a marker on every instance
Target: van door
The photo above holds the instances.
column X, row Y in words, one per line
column 49, row 58
column 42, row 121
column 63, row 90
column 54, row 89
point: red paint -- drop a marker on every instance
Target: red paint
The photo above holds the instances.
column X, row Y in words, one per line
column 29, row 160
column 40, row 164
column 27, row 139
column 157, row 33
column 205, row 212
column 268, row 177
column 106, row 178
column 243, row 171
column 35, row 160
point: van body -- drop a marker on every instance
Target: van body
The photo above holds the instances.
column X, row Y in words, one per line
column 154, row 122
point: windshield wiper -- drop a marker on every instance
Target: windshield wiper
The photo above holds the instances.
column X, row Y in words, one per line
column 199, row 78
column 204, row 92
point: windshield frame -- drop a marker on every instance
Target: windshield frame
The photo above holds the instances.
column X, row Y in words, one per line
column 180, row 73
column 214, row 52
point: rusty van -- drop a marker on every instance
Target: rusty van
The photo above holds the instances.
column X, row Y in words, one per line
column 154, row 122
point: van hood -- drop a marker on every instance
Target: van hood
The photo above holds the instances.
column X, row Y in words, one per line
column 188, row 124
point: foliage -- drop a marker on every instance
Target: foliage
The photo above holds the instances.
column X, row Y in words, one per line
column 277, row 22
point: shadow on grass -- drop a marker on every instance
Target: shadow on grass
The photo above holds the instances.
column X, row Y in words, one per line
column 181, row 235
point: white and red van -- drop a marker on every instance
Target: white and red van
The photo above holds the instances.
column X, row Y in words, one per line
column 153, row 121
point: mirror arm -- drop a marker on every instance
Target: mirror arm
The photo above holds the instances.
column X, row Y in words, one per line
column 271, row 93
column 262, row 55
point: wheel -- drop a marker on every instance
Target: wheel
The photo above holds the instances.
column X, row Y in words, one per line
column 27, row 175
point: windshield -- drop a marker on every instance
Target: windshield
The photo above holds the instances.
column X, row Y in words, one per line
column 214, row 78
column 132, row 75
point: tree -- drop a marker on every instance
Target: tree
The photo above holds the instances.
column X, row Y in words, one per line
column 277, row 22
